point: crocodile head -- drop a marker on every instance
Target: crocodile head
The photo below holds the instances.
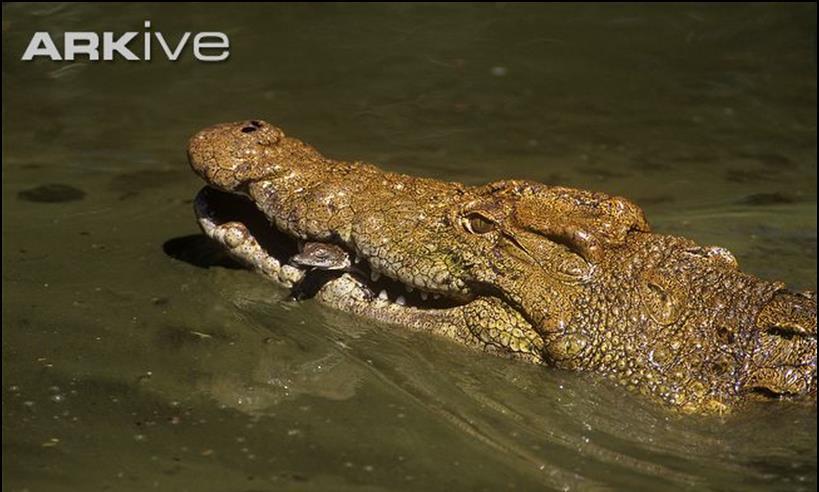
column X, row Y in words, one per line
column 554, row 275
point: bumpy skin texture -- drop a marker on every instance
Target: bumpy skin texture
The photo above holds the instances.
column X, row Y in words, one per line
column 553, row 275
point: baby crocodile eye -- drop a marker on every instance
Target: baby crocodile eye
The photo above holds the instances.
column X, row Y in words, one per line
column 478, row 224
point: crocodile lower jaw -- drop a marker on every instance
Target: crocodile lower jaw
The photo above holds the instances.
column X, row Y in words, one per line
column 247, row 236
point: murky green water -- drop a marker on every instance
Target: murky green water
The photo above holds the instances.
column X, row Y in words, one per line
column 132, row 360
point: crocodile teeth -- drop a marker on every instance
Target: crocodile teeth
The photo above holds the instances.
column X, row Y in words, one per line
column 383, row 295
column 401, row 301
column 409, row 288
column 436, row 296
column 374, row 276
column 424, row 296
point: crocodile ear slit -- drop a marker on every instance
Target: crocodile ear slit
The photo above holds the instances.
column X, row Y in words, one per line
column 570, row 243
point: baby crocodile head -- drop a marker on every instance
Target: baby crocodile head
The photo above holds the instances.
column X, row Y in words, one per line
column 563, row 277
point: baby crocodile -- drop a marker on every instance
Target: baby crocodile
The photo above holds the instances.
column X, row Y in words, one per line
column 557, row 276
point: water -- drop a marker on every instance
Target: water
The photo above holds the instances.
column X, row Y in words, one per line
column 132, row 360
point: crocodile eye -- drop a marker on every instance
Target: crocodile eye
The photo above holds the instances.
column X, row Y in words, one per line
column 478, row 224
column 662, row 297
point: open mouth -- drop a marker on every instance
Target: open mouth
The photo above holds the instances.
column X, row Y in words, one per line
column 247, row 235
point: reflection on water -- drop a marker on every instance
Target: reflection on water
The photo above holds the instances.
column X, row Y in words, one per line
column 134, row 356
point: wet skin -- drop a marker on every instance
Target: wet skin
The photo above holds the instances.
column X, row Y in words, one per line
column 557, row 276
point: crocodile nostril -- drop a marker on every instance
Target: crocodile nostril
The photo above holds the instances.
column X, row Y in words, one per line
column 249, row 129
column 721, row 365
column 781, row 332
column 255, row 123
column 725, row 335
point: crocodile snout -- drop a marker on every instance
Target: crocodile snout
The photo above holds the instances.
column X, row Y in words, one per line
column 230, row 154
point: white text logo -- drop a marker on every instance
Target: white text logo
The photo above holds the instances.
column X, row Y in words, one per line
column 107, row 46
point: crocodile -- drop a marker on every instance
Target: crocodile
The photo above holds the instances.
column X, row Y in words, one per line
column 567, row 278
